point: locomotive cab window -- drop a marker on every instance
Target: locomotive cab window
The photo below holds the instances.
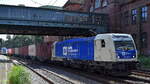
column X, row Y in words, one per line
column 103, row 43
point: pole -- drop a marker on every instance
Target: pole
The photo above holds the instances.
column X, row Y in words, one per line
column 140, row 30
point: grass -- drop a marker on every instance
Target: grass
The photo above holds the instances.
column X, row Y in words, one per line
column 144, row 61
column 19, row 75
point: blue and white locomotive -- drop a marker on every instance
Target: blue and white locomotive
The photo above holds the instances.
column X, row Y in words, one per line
column 109, row 53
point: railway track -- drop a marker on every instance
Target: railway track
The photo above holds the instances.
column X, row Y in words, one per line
column 131, row 79
column 87, row 75
column 43, row 73
column 106, row 79
column 135, row 78
column 141, row 73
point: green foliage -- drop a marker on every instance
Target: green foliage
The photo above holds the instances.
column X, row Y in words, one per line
column 144, row 61
column 18, row 75
column 21, row 40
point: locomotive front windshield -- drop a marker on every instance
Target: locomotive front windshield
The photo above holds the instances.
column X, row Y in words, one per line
column 124, row 45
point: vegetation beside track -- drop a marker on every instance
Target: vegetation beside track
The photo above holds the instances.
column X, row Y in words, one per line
column 19, row 75
column 144, row 61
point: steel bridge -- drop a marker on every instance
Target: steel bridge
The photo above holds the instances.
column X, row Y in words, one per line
column 40, row 21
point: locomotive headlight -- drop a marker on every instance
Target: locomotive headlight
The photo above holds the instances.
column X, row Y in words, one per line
column 118, row 56
column 133, row 56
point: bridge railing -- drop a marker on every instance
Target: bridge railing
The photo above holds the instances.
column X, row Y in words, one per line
column 18, row 13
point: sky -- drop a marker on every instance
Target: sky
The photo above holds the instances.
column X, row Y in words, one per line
column 32, row 3
column 3, row 36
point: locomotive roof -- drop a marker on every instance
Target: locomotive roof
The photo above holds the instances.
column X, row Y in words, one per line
column 92, row 38
column 114, row 34
column 78, row 39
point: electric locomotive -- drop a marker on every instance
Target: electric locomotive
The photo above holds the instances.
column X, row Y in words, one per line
column 107, row 53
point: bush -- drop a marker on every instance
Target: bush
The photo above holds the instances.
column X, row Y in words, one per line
column 18, row 75
column 144, row 61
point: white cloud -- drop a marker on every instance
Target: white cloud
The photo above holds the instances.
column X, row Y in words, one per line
column 60, row 3
column 3, row 37
column 34, row 3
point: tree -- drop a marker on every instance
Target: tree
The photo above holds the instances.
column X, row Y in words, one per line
column 8, row 37
column 21, row 40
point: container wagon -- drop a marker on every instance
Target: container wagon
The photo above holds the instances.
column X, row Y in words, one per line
column 32, row 51
column 16, row 52
column 23, row 51
column 43, row 51
column 11, row 51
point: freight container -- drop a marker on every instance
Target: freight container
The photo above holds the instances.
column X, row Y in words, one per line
column 32, row 51
column 16, row 51
column 11, row 51
column 51, row 38
column 20, row 51
column 43, row 51
column 25, row 51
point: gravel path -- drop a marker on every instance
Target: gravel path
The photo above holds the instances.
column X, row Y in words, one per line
column 5, row 66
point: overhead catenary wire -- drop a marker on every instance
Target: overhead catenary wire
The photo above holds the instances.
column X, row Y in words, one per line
column 50, row 2
column 36, row 2
column 43, row 4
column 54, row 2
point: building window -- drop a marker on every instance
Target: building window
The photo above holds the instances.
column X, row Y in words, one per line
column 97, row 3
column 144, row 13
column 105, row 3
column 98, row 20
column 134, row 16
column 144, row 40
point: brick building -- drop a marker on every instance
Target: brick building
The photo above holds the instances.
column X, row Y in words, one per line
column 136, row 21
column 126, row 16
column 74, row 5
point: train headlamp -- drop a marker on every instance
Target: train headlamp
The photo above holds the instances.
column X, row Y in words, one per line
column 118, row 56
